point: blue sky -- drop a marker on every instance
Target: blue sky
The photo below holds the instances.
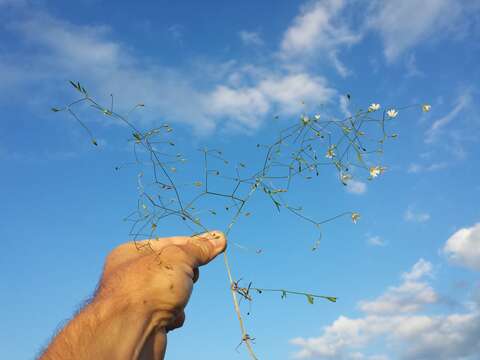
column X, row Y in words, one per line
column 407, row 274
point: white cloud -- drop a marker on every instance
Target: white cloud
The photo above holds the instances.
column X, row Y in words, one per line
column 403, row 25
column 237, row 96
column 242, row 104
column 463, row 247
column 318, row 31
column 291, row 90
column 376, row 241
column 410, row 296
column 437, row 126
column 415, row 216
column 356, row 187
column 415, row 168
column 415, row 337
column 406, row 335
column 250, row 38
column 420, row 269
column 283, row 94
column 411, row 66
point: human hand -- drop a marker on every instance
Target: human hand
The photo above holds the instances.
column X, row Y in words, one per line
column 156, row 277
column 141, row 295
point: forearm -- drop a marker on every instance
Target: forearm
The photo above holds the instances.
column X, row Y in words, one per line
column 107, row 330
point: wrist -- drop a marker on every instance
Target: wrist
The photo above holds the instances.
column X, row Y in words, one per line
column 107, row 328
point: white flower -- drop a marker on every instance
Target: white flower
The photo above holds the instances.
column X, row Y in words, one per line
column 373, row 107
column 374, row 171
column 317, row 116
column 345, row 178
column 355, row 217
column 330, row 152
column 426, row 107
column 392, row 113
column 305, row 119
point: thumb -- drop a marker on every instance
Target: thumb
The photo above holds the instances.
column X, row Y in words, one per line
column 205, row 247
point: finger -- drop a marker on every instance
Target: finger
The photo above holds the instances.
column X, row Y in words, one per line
column 177, row 322
column 196, row 275
column 203, row 248
column 136, row 249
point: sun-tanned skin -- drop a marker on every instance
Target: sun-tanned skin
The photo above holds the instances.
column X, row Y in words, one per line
column 141, row 296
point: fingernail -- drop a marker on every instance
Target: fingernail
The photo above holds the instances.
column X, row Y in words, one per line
column 217, row 239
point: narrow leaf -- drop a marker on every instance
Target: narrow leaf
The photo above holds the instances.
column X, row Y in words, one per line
column 331, row 298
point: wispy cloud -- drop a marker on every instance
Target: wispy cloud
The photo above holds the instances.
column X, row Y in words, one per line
column 177, row 32
column 402, row 25
column 234, row 98
column 250, row 38
column 415, row 168
column 411, row 66
column 462, row 102
column 319, row 30
column 376, row 241
column 416, row 216
column 356, row 187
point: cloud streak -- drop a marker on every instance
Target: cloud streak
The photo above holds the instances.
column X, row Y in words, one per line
column 433, row 133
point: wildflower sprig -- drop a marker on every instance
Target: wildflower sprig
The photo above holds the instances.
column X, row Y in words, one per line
column 302, row 150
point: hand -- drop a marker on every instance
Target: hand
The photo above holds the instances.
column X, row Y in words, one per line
column 142, row 294
column 157, row 276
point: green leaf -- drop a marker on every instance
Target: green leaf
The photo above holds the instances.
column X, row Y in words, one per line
column 277, row 204
column 137, row 136
column 359, row 155
column 55, row 109
column 284, row 294
column 331, row 298
column 310, row 298
column 73, row 84
column 94, row 142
